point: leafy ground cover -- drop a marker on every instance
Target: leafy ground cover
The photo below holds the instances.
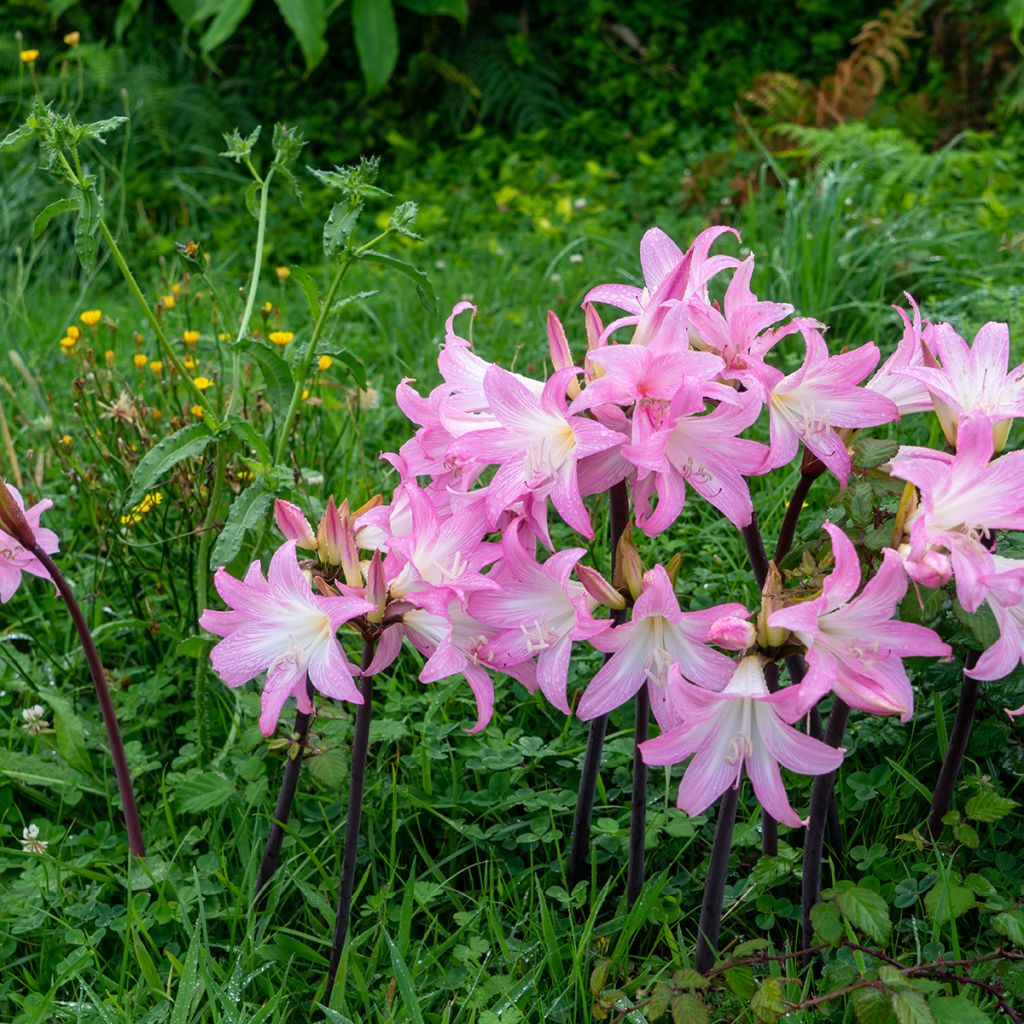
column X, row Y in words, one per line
column 463, row 911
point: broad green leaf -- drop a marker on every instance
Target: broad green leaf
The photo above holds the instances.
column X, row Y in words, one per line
column 166, row 454
column 330, row 768
column 866, row 911
column 988, row 806
column 767, row 1004
column 687, row 977
column 125, row 15
column 202, row 791
column 376, row 35
column 872, row 452
column 340, row 225
column 70, row 734
column 53, row 210
column 192, row 646
column 310, row 289
column 870, row 1006
column 911, row 1007
column 424, row 287
column 827, row 922
column 403, row 980
column 276, row 374
column 249, row 436
column 230, row 14
column 354, row 366
column 308, row 21
column 982, row 624
column 25, row 131
column 1011, row 924
column 246, row 512
column 599, row 976
column 457, row 9
column 32, row 770
column 948, row 899
column 741, row 982
column 90, row 204
column 658, row 1002
column 689, row 1008
column 957, row 1010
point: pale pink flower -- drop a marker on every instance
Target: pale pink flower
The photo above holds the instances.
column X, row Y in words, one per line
column 974, row 379
column 742, row 726
column 907, row 394
column 658, row 636
column 1005, row 596
column 732, row 633
column 963, row 498
column 811, row 404
column 855, row 645
column 539, row 611
column 278, row 626
column 294, row 525
column 15, row 559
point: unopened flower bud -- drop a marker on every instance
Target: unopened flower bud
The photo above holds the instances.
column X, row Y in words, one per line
column 12, row 519
column 561, row 357
column 771, row 601
column 907, row 506
column 629, row 570
column 933, row 569
column 294, row 525
column 336, row 542
column 672, row 567
column 599, row 588
column 1000, row 433
column 376, row 587
column 732, row 633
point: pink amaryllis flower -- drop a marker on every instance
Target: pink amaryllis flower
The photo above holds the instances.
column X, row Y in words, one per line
column 1005, row 596
column 536, row 446
column 540, row 611
column 15, row 559
column 907, row 394
column 278, row 626
column 963, row 498
column 855, row 645
column 971, row 379
column 743, row 726
column 822, row 396
column 658, row 636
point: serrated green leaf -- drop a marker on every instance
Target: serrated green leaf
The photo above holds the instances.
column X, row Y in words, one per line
column 957, row 1010
column 988, row 806
column 911, row 1007
column 70, row 734
column 687, row 977
column 599, row 976
column 308, row 21
column 866, row 910
column 689, row 1008
column 872, row 452
column 90, row 205
column 98, row 129
column 768, row 1004
column 25, row 131
column 741, row 982
column 53, row 210
column 246, row 512
column 870, row 1006
column 982, row 624
column 827, row 923
column 424, row 286
column 658, row 1002
column 340, row 225
column 166, row 454
column 1011, row 924
column 376, row 36
column 329, row 768
column 203, row 791
column 948, row 899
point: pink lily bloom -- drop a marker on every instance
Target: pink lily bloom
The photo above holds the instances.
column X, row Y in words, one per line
column 1005, row 596
column 810, row 404
column 964, row 497
column 906, row 393
column 855, row 644
column 540, row 611
column 536, row 446
column 658, row 636
column 278, row 626
column 15, row 559
column 742, row 726
column 696, row 448
column 972, row 379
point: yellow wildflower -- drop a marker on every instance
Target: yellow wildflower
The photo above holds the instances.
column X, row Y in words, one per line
column 324, row 363
column 224, row 336
column 197, row 411
column 268, row 308
column 157, row 414
column 91, row 317
column 74, row 332
column 190, row 337
column 202, row 383
column 140, row 360
column 157, row 366
column 283, row 273
column 67, row 343
column 169, row 301
column 72, row 38
column 189, row 363
column 305, row 393
column 175, row 289
column 109, row 355
column 66, row 440
column 28, row 56
column 244, row 475
column 281, row 338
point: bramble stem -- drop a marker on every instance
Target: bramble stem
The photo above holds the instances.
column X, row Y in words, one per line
column 714, row 887
column 124, row 780
column 356, row 785
column 953, row 760
column 618, row 507
column 814, row 839
column 283, row 807
column 638, row 800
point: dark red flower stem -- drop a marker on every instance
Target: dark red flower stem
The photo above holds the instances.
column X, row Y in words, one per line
column 618, row 507
column 714, row 886
column 638, row 800
column 283, row 807
column 356, row 785
column 822, row 792
column 92, row 658
column 787, row 531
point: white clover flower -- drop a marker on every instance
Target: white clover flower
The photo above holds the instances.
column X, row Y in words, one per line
column 33, row 721
column 30, row 841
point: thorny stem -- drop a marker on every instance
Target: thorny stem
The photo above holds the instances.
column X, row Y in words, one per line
column 638, row 799
column 714, row 887
column 356, row 784
column 124, row 781
column 283, row 807
column 618, row 507
column 814, row 839
column 953, row 760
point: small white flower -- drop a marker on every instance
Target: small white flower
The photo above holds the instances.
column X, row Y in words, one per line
column 30, row 841
column 556, row 278
column 576, row 257
column 579, row 203
column 34, row 723
column 440, row 264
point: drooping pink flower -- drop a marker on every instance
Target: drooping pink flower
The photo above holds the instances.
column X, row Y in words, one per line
column 536, row 445
column 658, row 636
column 702, row 449
column 743, row 726
column 278, row 626
column 821, row 396
column 15, row 559
column 855, row 645
column 907, row 394
column 539, row 611
column 964, row 497
column 1005, row 596
column 971, row 379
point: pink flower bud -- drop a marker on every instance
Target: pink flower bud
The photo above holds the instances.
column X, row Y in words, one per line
column 294, row 525
column 933, row 569
column 629, row 569
column 336, row 542
column 732, row 633
column 599, row 588
column 13, row 520
column 376, row 587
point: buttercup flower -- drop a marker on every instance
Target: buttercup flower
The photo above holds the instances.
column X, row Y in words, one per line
column 281, row 338
column 91, row 317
